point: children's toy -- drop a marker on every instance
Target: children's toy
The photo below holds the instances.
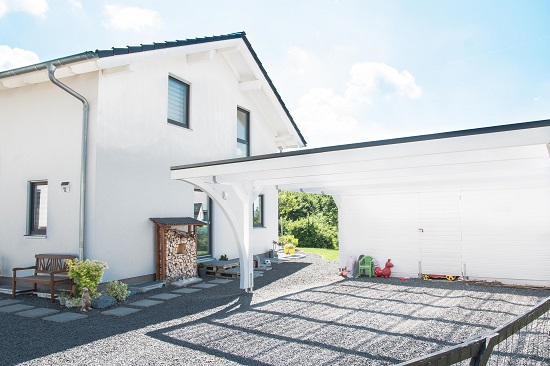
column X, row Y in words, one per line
column 386, row 272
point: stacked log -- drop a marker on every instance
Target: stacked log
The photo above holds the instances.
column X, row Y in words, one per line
column 181, row 254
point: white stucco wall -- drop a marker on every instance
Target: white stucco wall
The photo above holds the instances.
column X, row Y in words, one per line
column 40, row 136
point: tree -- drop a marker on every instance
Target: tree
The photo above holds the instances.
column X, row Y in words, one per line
column 311, row 218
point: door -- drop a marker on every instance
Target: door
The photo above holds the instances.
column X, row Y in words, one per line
column 440, row 233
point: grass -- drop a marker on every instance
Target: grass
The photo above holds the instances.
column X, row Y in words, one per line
column 327, row 254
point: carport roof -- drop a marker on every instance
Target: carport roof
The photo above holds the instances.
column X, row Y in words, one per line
column 451, row 159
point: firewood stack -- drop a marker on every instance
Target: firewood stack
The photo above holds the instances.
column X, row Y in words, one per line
column 181, row 254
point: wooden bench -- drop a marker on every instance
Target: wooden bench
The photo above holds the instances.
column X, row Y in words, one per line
column 50, row 269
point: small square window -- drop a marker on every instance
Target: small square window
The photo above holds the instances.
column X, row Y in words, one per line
column 258, row 211
column 178, row 102
column 38, row 208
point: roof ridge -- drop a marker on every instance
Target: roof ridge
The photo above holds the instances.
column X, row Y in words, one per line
column 115, row 51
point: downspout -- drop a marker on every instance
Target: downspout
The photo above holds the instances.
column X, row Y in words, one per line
column 83, row 155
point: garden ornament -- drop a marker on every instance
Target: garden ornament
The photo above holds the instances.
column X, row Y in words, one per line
column 386, row 272
column 85, row 301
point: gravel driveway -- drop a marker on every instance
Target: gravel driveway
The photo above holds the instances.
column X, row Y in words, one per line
column 301, row 313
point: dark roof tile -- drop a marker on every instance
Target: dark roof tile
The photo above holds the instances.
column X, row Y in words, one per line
column 177, row 221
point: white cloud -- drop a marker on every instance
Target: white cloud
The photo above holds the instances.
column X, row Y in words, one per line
column 131, row 18
column 38, row 8
column 11, row 58
column 326, row 118
column 75, row 5
column 371, row 80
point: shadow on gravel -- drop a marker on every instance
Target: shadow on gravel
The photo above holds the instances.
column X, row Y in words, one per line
column 23, row 339
column 351, row 321
column 339, row 321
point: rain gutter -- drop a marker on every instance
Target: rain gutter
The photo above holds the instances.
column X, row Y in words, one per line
column 51, row 66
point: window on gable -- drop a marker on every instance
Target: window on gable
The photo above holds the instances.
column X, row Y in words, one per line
column 38, row 208
column 243, row 132
column 178, row 102
column 258, row 211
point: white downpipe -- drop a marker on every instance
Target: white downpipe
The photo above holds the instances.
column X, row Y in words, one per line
column 83, row 155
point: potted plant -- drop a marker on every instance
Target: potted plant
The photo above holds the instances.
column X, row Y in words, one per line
column 289, row 243
column 202, row 270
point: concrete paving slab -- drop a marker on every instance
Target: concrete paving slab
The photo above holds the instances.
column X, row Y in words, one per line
column 121, row 311
column 164, row 296
column 65, row 317
column 220, row 281
column 187, row 282
column 186, row 290
column 145, row 303
column 9, row 302
column 204, row 285
column 258, row 274
column 14, row 308
column 148, row 286
column 37, row 313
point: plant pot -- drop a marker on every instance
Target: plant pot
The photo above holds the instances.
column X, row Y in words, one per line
column 202, row 272
column 62, row 301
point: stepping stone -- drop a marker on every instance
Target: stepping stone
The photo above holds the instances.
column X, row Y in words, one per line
column 164, row 296
column 186, row 290
column 65, row 317
column 185, row 283
column 145, row 303
column 122, row 311
column 258, row 274
column 220, row 281
column 148, row 286
column 14, row 308
column 9, row 302
column 37, row 313
column 204, row 285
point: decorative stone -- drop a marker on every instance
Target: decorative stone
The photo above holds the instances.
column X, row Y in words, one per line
column 103, row 302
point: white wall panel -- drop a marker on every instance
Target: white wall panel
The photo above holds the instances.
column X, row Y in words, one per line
column 506, row 235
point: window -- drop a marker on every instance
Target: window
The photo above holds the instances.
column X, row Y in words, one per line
column 258, row 211
column 38, row 208
column 203, row 212
column 178, row 102
column 243, row 132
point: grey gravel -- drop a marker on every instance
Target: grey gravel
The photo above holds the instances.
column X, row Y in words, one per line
column 301, row 313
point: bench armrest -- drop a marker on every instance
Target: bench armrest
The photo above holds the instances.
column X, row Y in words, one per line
column 22, row 268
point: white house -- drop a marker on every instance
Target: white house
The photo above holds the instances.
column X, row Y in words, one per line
column 472, row 203
column 86, row 143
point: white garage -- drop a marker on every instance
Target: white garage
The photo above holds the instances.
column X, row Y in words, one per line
column 472, row 203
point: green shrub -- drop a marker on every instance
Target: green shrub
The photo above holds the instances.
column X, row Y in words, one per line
column 117, row 290
column 313, row 232
column 86, row 274
column 223, row 257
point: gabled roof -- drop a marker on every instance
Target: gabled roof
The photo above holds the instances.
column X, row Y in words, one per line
column 116, row 51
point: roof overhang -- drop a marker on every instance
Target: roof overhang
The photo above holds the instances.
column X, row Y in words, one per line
column 467, row 159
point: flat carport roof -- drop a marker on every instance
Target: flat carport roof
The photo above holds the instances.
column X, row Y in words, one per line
column 475, row 158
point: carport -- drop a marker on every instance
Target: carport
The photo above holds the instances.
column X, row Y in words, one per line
column 473, row 203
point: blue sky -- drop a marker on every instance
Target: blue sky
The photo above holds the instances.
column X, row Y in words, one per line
column 348, row 71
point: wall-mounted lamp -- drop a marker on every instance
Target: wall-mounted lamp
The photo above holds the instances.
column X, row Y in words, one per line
column 65, row 187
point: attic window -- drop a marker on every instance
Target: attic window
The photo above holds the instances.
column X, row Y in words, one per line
column 178, row 102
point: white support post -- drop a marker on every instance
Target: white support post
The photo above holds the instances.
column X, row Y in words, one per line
column 235, row 200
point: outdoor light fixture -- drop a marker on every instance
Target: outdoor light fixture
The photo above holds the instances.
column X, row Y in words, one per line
column 65, row 187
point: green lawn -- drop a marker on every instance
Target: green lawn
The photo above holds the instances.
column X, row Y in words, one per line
column 328, row 254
